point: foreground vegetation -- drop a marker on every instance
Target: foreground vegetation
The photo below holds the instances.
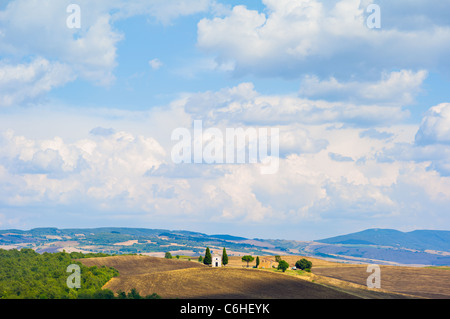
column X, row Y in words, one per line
column 25, row 274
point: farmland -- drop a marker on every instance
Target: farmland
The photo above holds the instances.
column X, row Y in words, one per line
column 176, row 279
column 420, row 248
column 418, row 281
column 137, row 255
column 192, row 280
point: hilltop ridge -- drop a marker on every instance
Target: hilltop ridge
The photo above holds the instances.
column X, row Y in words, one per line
column 417, row 239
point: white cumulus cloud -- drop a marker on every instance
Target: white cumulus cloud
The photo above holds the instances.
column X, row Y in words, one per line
column 435, row 127
column 22, row 82
column 393, row 88
column 293, row 38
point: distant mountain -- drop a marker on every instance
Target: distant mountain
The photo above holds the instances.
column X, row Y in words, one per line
column 228, row 237
column 417, row 240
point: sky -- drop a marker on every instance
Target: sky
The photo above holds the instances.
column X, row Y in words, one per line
column 91, row 94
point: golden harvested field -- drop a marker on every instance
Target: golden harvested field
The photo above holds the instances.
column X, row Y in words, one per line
column 270, row 260
column 137, row 265
column 223, row 283
column 421, row 282
column 412, row 281
column 192, row 280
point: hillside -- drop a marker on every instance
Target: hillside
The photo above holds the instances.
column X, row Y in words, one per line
column 26, row 274
column 192, row 280
column 127, row 241
column 224, row 283
column 382, row 246
column 387, row 246
column 138, row 265
column 417, row 240
column 421, row 282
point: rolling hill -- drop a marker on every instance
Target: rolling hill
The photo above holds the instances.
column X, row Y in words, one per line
column 177, row 279
column 387, row 246
column 191, row 280
column 417, row 240
column 382, row 246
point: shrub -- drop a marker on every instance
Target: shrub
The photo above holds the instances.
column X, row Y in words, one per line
column 283, row 265
column 304, row 264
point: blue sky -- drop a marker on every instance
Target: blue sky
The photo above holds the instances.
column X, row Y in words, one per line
column 86, row 115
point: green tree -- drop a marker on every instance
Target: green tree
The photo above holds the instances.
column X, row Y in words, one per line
column 248, row 259
column 134, row 294
column 257, row 261
column 208, row 258
column 168, row 255
column 277, row 258
column 153, row 296
column 121, row 295
column 200, row 259
column 104, row 294
column 26, row 274
column 304, row 264
column 224, row 257
column 283, row 265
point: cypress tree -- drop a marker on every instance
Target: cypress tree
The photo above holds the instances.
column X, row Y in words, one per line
column 224, row 257
column 208, row 258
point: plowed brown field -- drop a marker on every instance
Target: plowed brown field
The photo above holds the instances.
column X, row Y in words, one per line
column 421, row 282
column 223, row 283
column 138, row 265
column 192, row 280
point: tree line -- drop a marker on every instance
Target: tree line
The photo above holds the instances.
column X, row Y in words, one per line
column 302, row 264
column 26, row 274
